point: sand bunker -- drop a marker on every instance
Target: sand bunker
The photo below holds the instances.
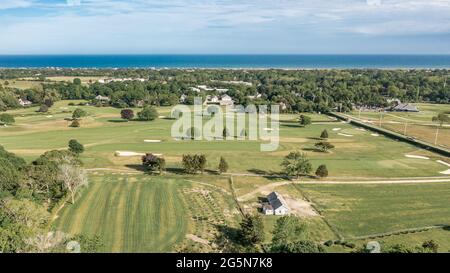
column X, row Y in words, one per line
column 376, row 135
column 152, row 140
column 341, row 134
column 361, row 129
column 161, row 116
column 446, row 172
column 127, row 153
column 337, row 129
column 417, row 156
column 443, row 162
column 301, row 207
column 49, row 116
column 268, row 129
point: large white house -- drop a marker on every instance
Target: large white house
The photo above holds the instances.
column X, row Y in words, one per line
column 276, row 206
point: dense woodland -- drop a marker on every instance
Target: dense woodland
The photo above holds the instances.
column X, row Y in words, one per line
column 298, row 90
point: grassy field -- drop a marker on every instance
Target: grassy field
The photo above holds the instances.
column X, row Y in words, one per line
column 418, row 125
column 130, row 214
column 357, row 152
column 142, row 213
column 362, row 210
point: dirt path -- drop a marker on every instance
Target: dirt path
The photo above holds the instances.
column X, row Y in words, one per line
column 272, row 186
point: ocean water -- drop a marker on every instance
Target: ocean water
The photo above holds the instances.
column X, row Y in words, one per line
column 225, row 61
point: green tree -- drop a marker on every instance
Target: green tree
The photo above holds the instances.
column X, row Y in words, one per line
column 223, row 165
column 225, row 133
column 7, row 118
column 441, row 118
column 324, row 134
column 77, row 81
column 149, row 113
column 288, row 229
column 10, row 177
column 127, row 114
column 324, row 146
column 322, row 171
column 154, row 163
column 48, row 102
column 304, row 120
column 75, row 146
column 43, row 109
column 296, row 164
column 251, row 230
column 78, row 113
column 431, row 245
column 75, row 123
column 303, row 246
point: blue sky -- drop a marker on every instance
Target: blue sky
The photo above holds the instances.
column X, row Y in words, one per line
column 225, row 26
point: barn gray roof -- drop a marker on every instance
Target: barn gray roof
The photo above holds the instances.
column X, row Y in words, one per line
column 276, row 200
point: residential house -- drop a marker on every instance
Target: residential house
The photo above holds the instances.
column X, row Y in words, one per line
column 405, row 107
column 24, row 102
column 226, row 100
column 276, row 206
column 102, row 99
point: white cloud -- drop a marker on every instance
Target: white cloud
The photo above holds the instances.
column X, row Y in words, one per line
column 146, row 25
column 12, row 4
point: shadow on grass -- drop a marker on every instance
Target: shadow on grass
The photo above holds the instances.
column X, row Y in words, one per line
column 117, row 120
column 268, row 174
column 291, row 125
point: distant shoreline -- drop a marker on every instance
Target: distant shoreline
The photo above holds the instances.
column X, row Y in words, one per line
column 227, row 62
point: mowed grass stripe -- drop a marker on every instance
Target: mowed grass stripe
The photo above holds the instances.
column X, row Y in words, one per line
column 146, row 215
column 71, row 222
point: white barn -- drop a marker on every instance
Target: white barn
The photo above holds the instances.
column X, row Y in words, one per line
column 276, row 206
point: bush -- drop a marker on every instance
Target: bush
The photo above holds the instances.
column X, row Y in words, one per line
column 322, row 171
column 223, row 165
column 154, row 163
column 329, row 243
column 71, row 104
column 7, row 119
column 78, row 113
column 75, row 124
column 48, row 102
column 304, row 120
column 149, row 113
column 324, row 134
column 127, row 114
column 75, row 146
column 43, row 109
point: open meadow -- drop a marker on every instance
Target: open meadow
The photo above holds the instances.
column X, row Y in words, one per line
column 136, row 212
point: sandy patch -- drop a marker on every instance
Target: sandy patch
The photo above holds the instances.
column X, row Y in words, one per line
column 268, row 129
column 346, row 135
column 197, row 239
column 161, row 116
column 417, row 156
column 375, row 135
column 443, row 162
column 361, row 129
column 152, row 140
column 49, row 116
column 446, row 172
column 127, row 153
column 337, row 129
column 301, row 207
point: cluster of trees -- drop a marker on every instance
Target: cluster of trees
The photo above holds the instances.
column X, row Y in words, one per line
column 298, row 90
column 193, row 164
column 290, row 235
column 297, row 164
column 28, row 192
column 148, row 113
column 154, row 163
